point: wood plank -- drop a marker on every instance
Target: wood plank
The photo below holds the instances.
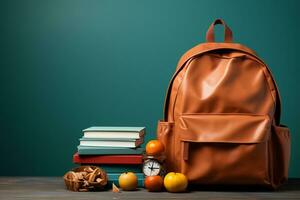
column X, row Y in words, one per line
column 53, row 188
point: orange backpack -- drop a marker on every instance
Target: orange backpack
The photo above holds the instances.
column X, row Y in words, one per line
column 222, row 117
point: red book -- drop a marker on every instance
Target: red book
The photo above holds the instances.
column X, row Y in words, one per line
column 107, row 159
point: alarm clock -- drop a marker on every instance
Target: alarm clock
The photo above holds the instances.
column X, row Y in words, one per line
column 153, row 166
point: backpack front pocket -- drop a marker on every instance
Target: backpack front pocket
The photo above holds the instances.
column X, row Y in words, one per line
column 224, row 148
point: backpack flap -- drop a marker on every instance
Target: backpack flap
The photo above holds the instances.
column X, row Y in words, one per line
column 218, row 148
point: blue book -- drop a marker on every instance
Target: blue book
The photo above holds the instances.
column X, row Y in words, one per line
column 121, row 168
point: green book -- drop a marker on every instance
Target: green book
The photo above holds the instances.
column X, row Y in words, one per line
column 111, row 142
column 88, row 150
column 114, row 178
column 121, row 168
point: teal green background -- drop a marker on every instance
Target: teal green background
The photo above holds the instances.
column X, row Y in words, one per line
column 68, row 65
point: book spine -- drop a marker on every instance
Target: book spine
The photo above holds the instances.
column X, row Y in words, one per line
column 139, row 141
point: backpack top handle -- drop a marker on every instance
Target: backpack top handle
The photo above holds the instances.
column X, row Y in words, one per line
column 210, row 35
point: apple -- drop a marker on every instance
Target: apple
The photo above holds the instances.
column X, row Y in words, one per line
column 153, row 183
column 128, row 181
column 175, row 182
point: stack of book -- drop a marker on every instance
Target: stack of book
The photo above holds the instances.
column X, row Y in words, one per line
column 114, row 149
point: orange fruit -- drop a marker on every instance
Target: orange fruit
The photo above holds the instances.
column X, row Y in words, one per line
column 128, row 181
column 154, row 148
column 153, row 183
column 175, row 182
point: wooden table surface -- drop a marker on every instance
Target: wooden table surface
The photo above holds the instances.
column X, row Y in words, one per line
column 53, row 188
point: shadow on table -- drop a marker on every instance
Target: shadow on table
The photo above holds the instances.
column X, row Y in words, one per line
column 291, row 185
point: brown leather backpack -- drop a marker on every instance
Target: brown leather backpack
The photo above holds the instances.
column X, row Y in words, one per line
column 222, row 117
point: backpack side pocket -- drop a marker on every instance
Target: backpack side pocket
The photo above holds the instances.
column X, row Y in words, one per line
column 281, row 149
column 165, row 135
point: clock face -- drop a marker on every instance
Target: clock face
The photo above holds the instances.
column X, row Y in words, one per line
column 151, row 168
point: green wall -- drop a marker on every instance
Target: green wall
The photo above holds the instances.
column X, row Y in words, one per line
column 67, row 65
